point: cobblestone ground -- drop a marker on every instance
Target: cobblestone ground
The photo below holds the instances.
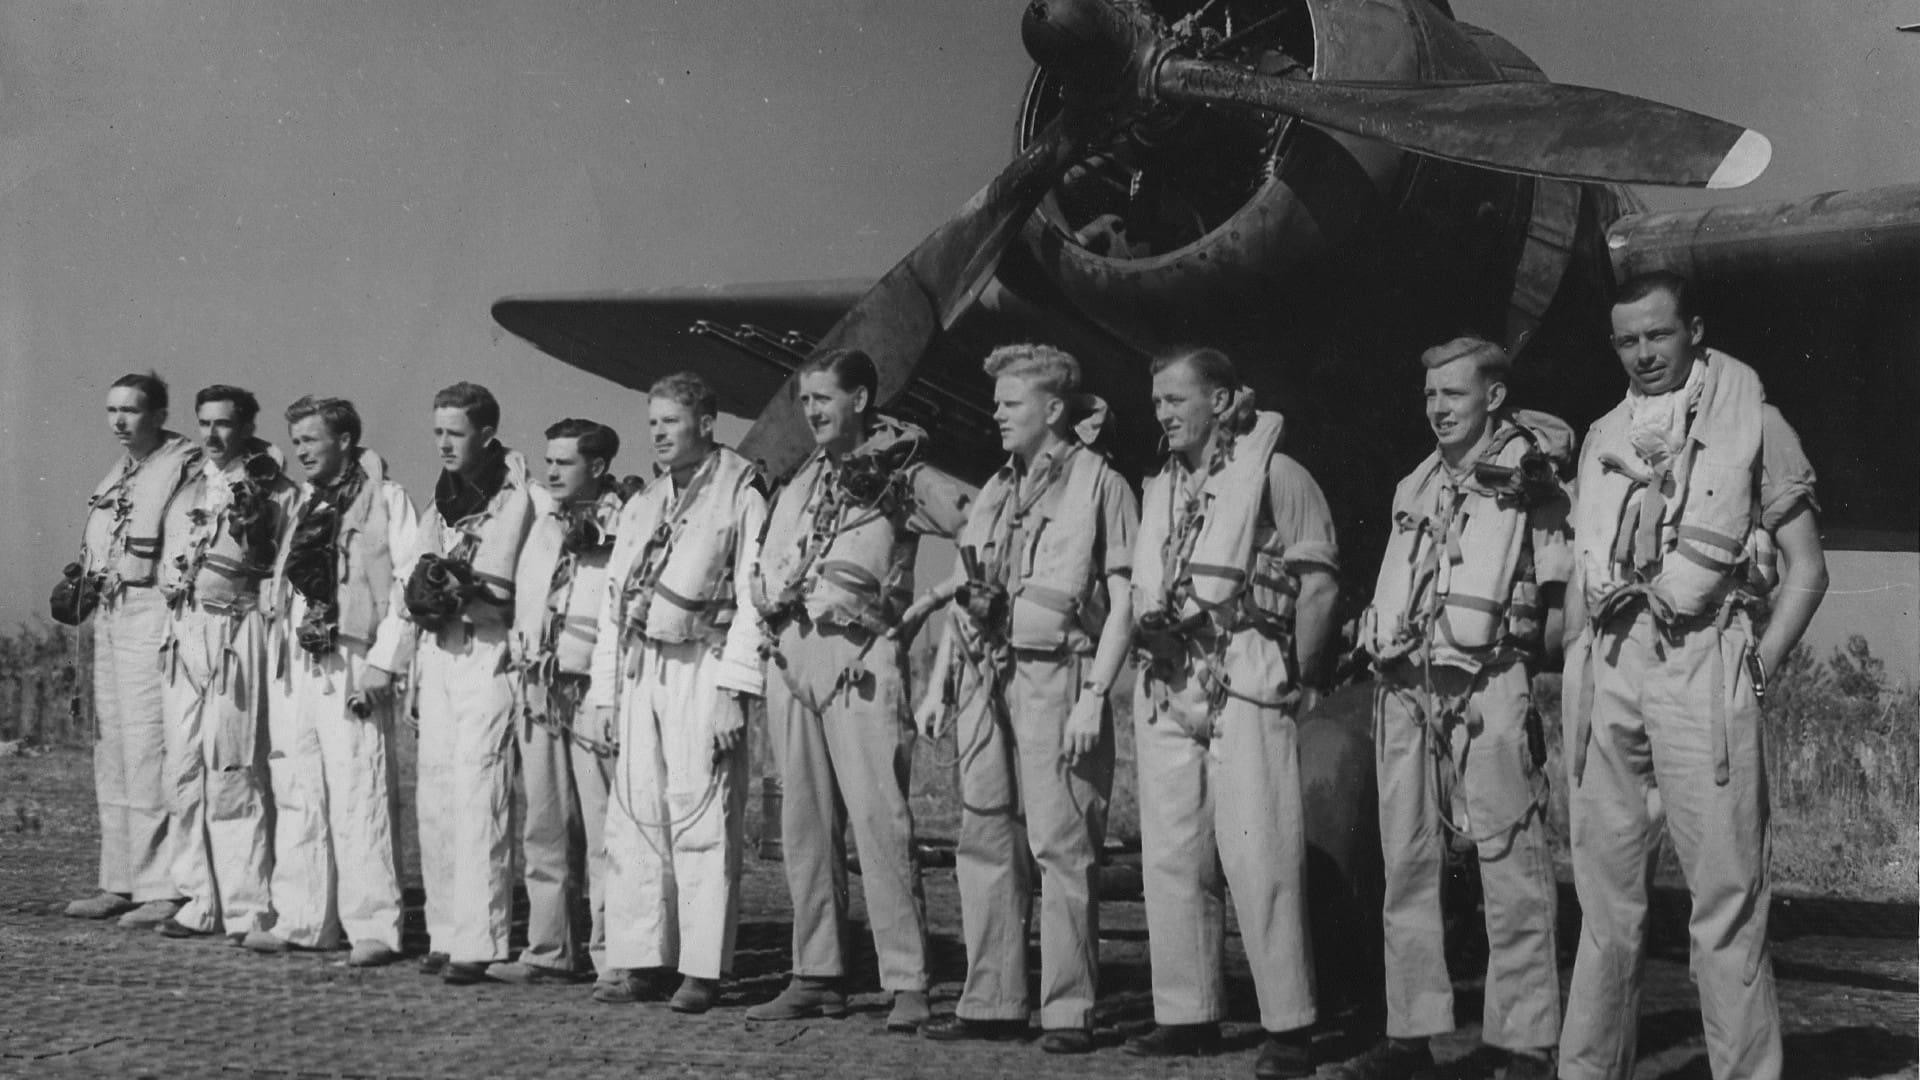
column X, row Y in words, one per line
column 85, row 999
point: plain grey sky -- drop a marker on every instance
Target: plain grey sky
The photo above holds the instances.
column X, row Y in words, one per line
column 326, row 197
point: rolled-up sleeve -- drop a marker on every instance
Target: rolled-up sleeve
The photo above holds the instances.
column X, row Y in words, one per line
column 1119, row 523
column 1302, row 524
column 741, row 669
column 940, row 503
column 1786, row 476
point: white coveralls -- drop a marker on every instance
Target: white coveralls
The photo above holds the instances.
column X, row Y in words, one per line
column 466, row 704
column 335, row 869
column 1017, row 687
column 679, row 644
column 216, row 704
column 122, row 545
column 565, row 765
column 1220, row 772
column 1669, row 701
column 837, row 708
column 1440, row 633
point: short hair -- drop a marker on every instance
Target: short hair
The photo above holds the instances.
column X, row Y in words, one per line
column 246, row 407
column 338, row 414
column 1046, row 367
column 477, row 400
column 1210, row 366
column 1489, row 360
column 1647, row 282
column 597, row 441
column 851, row 369
column 153, row 389
column 688, row 389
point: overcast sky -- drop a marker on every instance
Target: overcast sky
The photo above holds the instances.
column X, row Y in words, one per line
column 325, row 197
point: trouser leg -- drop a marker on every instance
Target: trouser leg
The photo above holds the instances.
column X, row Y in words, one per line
column 236, row 790
column 991, row 865
column 1255, row 759
column 1066, row 810
column 592, row 773
column 1179, row 862
column 641, row 931
column 549, row 833
column 1503, row 785
column 130, row 754
column 358, row 774
column 1419, row 990
column 434, row 789
column 812, row 819
column 303, row 863
column 187, row 699
column 1610, row 836
column 483, row 786
column 870, row 740
column 706, row 803
column 1720, row 834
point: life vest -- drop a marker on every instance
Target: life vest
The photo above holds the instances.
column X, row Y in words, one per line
column 488, row 540
column 1055, row 599
column 126, row 515
column 1459, row 557
column 1681, row 533
column 1201, row 558
column 678, row 585
column 560, row 620
column 836, row 542
column 209, row 566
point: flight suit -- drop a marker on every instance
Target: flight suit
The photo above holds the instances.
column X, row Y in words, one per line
column 466, row 704
column 334, row 867
column 1658, row 691
column 215, row 664
column 1217, row 750
column 1051, row 536
column 1456, row 681
column 564, row 765
column 122, row 544
column 834, row 576
column 678, row 648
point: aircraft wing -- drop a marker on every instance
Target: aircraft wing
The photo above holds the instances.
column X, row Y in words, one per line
column 742, row 338
column 1873, row 233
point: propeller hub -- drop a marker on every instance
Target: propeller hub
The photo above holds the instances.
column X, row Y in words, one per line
column 1094, row 45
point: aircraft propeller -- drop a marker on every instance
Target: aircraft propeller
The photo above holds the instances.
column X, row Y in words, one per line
column 1117, row 65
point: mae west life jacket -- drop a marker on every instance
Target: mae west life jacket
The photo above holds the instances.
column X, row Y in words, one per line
column 488, row 540
column 126, row 514
column 1454, row 583
column 361, row 558
column 1201, row 558
column 836, row 542
column 679, row 584
column 1055, row 599
column 209, row 565
column 559, row 619
column 1683, row 531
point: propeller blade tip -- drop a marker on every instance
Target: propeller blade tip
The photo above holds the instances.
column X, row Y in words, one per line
column 1746, row 161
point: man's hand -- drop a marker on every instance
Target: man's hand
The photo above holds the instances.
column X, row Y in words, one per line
column 730, row 727
column 932, row 715
column 1083, row 726
column 376, row 689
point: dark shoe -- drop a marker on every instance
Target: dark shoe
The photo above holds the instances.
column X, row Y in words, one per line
column 1388, row 1059
column 101, row 905
column 695, row 996
column 1529, row 1065
column 959, row 1029
column 910, row 1011
column 619, row 986
column 1176, row 1040
column 1067, row 1041
column 433, row 963
column 520, row 974
column 804, row 998
column 464, row 974
column 1286, row 1056
column 179, row 931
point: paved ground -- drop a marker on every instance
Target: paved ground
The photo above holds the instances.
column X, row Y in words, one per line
column 81, row 999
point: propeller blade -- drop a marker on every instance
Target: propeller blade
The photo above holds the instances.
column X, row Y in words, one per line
column 1544, row 129
column 926, row 292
